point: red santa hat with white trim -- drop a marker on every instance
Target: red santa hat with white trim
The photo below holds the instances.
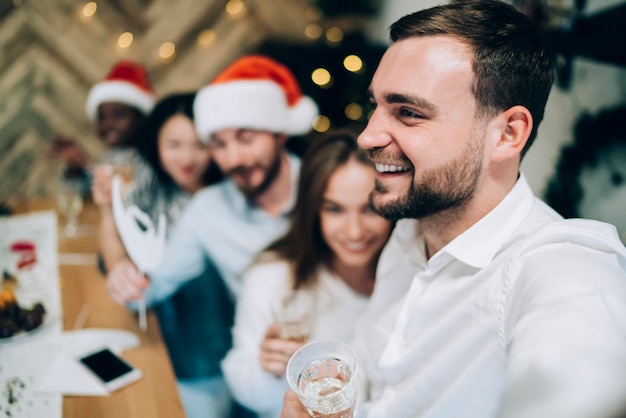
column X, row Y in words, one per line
column 254, row 92
column 127, row 82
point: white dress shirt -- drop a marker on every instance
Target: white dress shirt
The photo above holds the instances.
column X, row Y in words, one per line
column 522, row 315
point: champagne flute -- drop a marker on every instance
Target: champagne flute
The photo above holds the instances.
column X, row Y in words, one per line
column 294, row 315
column 70, row 200
column 123, row 162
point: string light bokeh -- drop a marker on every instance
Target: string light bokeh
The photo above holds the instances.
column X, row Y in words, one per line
column 333, row 65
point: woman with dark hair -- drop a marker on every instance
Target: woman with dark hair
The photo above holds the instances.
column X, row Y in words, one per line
column 329, row 253
column 196, row 320
column 174, row 174
column 173, row 165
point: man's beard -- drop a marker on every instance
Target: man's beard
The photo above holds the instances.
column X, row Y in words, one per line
column 271, row 172
column 445, row 187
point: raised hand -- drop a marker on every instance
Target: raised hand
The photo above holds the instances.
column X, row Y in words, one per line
column 275, row 353
column 292, row 407
column 124, row 283
column 67, row 150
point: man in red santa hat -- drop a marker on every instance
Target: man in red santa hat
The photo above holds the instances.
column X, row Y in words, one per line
column 245, row 115
column 117, row 105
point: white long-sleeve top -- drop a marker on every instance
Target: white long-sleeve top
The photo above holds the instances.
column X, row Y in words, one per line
column 337, row 308
column 522, row 315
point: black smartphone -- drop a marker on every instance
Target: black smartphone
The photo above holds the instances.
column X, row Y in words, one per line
column 113, row 371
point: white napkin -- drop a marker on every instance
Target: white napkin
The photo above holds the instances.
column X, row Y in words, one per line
column 25, row 358
column 144, row 247
column 21, row 368
column 66, row 375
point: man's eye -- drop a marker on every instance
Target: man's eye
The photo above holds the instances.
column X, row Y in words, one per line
column 246, row 137
column 409, row 113
column 120, row 114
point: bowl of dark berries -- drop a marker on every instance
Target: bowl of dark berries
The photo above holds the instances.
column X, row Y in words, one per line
column 17, row 321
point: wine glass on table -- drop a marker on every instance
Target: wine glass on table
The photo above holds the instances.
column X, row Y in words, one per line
column 69, row 196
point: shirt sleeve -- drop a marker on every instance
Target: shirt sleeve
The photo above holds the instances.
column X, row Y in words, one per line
column 184, row 258
column 250, row 384
column 566, row 335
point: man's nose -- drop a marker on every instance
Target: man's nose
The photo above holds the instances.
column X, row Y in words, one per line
column 232, row 157
column 105, row 123
column 376, row 134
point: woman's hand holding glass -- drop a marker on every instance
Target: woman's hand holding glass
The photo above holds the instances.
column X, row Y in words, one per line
column 121, row 162
column 276, row 352
column 293, row 317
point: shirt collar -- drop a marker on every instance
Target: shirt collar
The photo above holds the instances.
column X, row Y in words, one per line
column 242, row 206
column 411, row 240
column 479, row 244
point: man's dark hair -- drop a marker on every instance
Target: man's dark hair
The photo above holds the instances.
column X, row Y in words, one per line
column 513, row 64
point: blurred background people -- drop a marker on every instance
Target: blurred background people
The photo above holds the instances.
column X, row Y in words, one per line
column 246, row 116
column 195, row 321
column 329, row 254
column 117, row 105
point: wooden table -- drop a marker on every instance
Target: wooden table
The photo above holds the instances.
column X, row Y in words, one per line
column 155, row 395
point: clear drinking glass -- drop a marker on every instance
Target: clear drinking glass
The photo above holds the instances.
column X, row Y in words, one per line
column 69, row 196
column 323, row 375
column 123, row 162
column 294, row 315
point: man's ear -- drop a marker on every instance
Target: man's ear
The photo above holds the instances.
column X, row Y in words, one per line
column 515, row 125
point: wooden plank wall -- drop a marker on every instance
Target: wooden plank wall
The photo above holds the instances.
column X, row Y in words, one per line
column 50, row 55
